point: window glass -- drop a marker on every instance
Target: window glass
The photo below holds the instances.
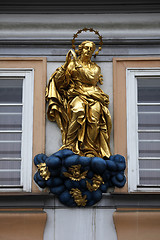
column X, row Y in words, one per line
column 11, row 90
column 148, row 105
column 11, row 107
column 10, row 121
column 148, row 178
column 10, row 164
column 148, row 90
column 10, row 136
column 10, row 178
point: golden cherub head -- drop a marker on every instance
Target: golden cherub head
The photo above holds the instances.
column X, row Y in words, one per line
column 43, row 171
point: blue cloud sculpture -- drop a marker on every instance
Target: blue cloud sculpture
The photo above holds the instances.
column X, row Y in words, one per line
column 77, row 180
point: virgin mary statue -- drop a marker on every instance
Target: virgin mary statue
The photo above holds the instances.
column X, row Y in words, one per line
column 79, row 106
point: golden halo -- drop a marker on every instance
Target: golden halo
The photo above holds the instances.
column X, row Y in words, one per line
column 85, row 30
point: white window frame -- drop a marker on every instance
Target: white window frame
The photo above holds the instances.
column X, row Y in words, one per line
column 27, row 74
column 132, row 125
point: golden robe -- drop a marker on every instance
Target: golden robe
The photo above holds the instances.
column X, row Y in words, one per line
column 80, row 109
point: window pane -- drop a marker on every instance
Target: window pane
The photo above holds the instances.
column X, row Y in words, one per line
column 10, row 178
column 148, row 121
column 12, row 164
column 148, row 90
column 149, row 177
column 149, row 164
column 149, row 136
column 10, row 136
column 10, row 109
column 149, row 149
column 11, row 91
column 10, row 149
column 10, row 121
column 149, row 109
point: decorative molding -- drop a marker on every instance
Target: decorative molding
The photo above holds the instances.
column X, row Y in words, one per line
column 55, row 49
column 55, row 29
column 110, row 201
column 67, row 42
column 80, row 7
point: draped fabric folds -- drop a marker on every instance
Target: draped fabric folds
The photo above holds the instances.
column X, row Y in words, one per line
column 80, row 109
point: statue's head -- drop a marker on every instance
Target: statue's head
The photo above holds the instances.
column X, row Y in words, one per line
column 81, row 46
column 87, row 48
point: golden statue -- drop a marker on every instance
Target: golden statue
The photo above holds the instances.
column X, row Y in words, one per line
column 78, row 104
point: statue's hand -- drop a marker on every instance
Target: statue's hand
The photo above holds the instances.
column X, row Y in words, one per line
column 69, row 56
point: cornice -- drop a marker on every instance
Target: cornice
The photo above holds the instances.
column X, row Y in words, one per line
column 110, row 201
column 67, row 42
column 34, row 7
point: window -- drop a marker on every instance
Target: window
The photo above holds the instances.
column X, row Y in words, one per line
column 16, row 127
column 22, row 116
column 137, row 121
column 143, row 128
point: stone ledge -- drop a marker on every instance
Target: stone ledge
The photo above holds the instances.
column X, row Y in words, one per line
column 109, row 201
